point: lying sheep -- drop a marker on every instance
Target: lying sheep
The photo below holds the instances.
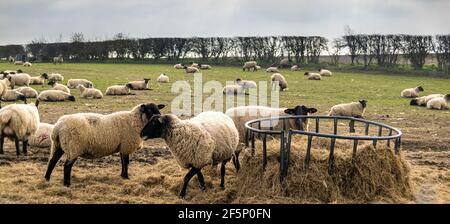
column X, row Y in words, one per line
column 278, row 78
column 118, row 90
column 56, row 77
column 195, row 65
column 14, row 95
column 272, row 69
column 208, row 138
column 190, row 69
column 18, row 63
column 204, row 66
column 27, row 64
column 354, row 109
column 41, row 138
column 257, row 68
column 295, row 68
column 4, row 83
column 73, row 83
column 249, row 65
column 38, row 80
column 233, row 90
column 139, row 85
column 246, row 84
column 313, row 76
column 27, row 91
column 178, row 66
column 325, row 72
column 20, row 79
column 439, row 103
column 18, row 122
column 163, row 78
column 91, row 136
column 90, row 92
column 411, row 92
column 53, row 96
column 422, row 101
column 57, row 86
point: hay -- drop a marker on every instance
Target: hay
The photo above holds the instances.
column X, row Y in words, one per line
column 378, row 175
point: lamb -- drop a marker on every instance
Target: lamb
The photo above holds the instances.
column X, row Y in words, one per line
column 249, row 65
column 91, row 136
column 208, row 138
column 190, row 69
column 178, row 66
column 4, row 83
column 163, row 78
column 53, row 96
column 20, row 79
column 38, row 80
column 118, row 90
column 56, row 77
column 233, row 90
column 354, row 109
column 246, row 84
column 325, row 72
column 204, row 66
column 282, row 83
column 439, row 103
column 295, row 68
column 27, row 91
column 57, row 86
column 422, row 101
column 14, row 95
column 90, row 92
column 73, row 83
column 139, row 85
column 272, row 69
column 27, row 64
column 41, row 138
column 313, row 76
column 411, row 92
column 18, row 122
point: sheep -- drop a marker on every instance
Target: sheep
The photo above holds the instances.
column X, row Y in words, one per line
column 190, row 69
column 41, row 138
column 57, row 86
column 20, row 79
column 439, row 103
column 58, row 59
column 14, row 95
column 248, row 65
column 11, row 59
column 27, row 91
column 353, row 109
column 295, row 68
column 56, row 77
column 4, row 83
column 257, row 68
column 73, row 83
column 411, row 92
column 246, row 84
column 234, row 90
column 325, row 72
column 313, row 76
column 139, row 85
column 178, row 66
column 90, row 92
column 27, row 64
column 53, row 96
column 38, row 80
column 163, row 78
column 285, row 63
column 272, row 69
column 195, row 65
column 282, row 83
column 209, row 138
column 18, row 63
column 18, row 122
column 119, row 90
column 204, row 66
column 91, row 136
column 422, row 101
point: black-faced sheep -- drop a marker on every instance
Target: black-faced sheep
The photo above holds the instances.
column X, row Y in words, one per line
column 325, row 72
column 38, row 80
column 272, row 69
column 190, row 69
column 27, row 91
column 139, row 85
column 246, row 84
column 20, row 79
column 178, row 66
column 4, row 84
column 118, row 90
column 439, row 103
column 13, row 95
column 411, row 92
column 354, row 109
column 90, row 92
column 73, row 83
column 313, row 76
column 53, row 96
column 56, row 77
column 163, row 78
column 278, row 78
column 249, row 65
column 295, row 68
column 423, row 100
column 57, row 86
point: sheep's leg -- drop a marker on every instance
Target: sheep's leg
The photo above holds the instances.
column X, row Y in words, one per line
column 187, row 178
column 125, row 159
column 222, row 174
column 2, row 141
column 201, row 180
column 24, row 146
column 52, row 163
column 67, row 171
column 17, row 146
column 236, row 163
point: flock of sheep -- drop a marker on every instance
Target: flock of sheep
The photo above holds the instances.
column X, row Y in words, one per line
column 431, row 101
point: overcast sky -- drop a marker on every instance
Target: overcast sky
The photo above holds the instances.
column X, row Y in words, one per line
column 24, row 20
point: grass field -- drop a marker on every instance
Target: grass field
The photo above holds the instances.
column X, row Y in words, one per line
column 154, row 175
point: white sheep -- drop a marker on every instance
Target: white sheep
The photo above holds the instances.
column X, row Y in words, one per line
column 249, row 65
column 353, row 109
column 439, row 103
column 18, row 63
column 247, row 84
column 56, row 77
column 27, row 64
column 27, row 91
column 53, row 96
column 73, row 83
column 257, row 68
column 282, row 83
column 422, row 101
column 20, row 79
column 4, row 84
column 57, row 86
column 325, row 72
column 313, row 76
column 90, row 92
column 139, row 85
column 163, row 78
column 204, row 66
column 14, row 95
column 91, row 136
column 209, row 138
column 295, row 68
column 118, row 90
column 38, row 80
column 18, row 122
column 190, row 69
column 178, row 66
column 195, row 65
column 272, row 69
column 58, row 59
column 41, row 138
column 233, row 90
column 411, row 92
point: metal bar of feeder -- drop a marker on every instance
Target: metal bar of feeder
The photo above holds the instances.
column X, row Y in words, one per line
column 253, row 143
column 351, row 126
column 288, row 152
column 389, row 140
column 317, row 125
column 308, row 152
column 264, row 151
column 367, row 129
column 331, row 157
column 396, row 145
column 335, row 126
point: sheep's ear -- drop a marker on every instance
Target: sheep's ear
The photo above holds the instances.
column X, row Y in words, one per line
column 290, row 111
column 161, row 106
column 142, row 109
column 312, row 110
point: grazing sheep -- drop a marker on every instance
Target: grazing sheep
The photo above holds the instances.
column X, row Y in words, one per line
column 163, row 78
column 313, row 76
column 295, row 68
column 325, row 72
column 118, row 90
column 190, row 69
column 56, row 77
column 27, row 91
column 139, row 85
column 41, row 138
column 422, row 101
column 205, row 67
column 91, row 136
column 18, row 63
column 27, row 64
column 14, row 95
column 58, row 59
column 285, row 63
column 4, row 83
column 233, row 90
column 90, row 92
column 208, row 138
column 354, row 109
column 20, row 79
column 73, row 83
column 439, row 103
column 53, row 96
column 257, row 68
column 38, row 80
column 282, row 83
column 57, row 86
column 18, row 122
column 411, row 92
column 11, row 59
column 246, row 84
column 178, row 66
column 249, row 65
column 272, row 69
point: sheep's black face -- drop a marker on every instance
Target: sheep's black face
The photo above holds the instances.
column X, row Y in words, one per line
column 22, row 98
column 19, row 71
column 300, row 110
column 151, row 109
column 363, row 103
column 71, row 98
column 51, row 83
column 420, row 88
column 413, row 102
column 306, row 73
column 154, row 128
column 44, row 75
column 129, row 86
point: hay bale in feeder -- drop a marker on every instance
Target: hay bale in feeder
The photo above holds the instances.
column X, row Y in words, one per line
column 378, row 175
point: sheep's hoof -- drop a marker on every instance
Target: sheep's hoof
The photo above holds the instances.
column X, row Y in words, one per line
column 222, row 187
column 125, row 177
column 67, row 184
column 182, row 195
